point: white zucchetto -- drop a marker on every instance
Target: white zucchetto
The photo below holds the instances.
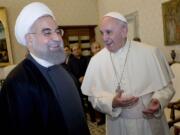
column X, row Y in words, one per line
column 117, row 16
column 28, row 15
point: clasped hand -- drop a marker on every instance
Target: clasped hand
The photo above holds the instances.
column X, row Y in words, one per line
column 152, row 108
column 123, row 101
column 127, row 101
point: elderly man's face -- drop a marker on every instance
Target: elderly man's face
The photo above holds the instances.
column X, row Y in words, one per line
column 76, row 51
column 67, row 51
column 45, row 40
column 95, row 48
column 113, row 33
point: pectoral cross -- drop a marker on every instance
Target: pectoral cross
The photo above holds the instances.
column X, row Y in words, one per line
column 118, row 88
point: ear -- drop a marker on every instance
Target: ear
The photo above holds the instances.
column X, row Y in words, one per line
column 125, row 32
column 29, row 39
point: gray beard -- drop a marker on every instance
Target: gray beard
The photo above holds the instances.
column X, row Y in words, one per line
column 56, row 57
column 53, row 57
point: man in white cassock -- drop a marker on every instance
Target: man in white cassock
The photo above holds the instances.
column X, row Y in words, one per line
column 129, row 81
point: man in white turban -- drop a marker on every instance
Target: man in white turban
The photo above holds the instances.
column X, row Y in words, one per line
column 129, row 81
column 39, row 96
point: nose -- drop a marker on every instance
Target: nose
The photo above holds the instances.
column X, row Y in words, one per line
column 56, row 36
column 105, row 37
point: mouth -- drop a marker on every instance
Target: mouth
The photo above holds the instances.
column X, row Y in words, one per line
column 109, row 44
column 54, row 47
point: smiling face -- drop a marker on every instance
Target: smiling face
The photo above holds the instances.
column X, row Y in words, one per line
column 114, row 33
column 45, row 40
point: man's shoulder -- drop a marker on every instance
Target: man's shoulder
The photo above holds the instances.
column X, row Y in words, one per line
column 100, row 58
column 16, row 75
column 22, row 70
column 143, row 47
column 101, row 53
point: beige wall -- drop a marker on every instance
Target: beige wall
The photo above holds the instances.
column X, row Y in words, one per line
column 67, row 12
column 83, row 12
column 149, row 20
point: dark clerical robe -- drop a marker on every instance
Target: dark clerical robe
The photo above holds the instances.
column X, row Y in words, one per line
column 35, row 99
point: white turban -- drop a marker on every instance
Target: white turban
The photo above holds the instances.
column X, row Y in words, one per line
column 117, row 16
column 27, row 17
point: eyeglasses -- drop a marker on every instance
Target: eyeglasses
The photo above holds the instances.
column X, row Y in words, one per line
column 47, row 32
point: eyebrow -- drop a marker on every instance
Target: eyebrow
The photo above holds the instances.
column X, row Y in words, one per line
column 45, row 29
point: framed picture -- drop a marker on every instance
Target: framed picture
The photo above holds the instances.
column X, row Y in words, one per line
column 133, row 25
column 5, row 45
column 171, row 22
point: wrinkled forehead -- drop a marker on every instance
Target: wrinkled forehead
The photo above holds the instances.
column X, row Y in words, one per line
column 109, row 22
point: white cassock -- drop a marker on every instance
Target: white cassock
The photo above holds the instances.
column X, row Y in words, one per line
column 146, row 75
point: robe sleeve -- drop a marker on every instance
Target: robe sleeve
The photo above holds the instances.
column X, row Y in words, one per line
column 164, row 96
column 104, row 105
column 100, row 98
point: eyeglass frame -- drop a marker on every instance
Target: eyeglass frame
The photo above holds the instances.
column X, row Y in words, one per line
column 47, row 32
